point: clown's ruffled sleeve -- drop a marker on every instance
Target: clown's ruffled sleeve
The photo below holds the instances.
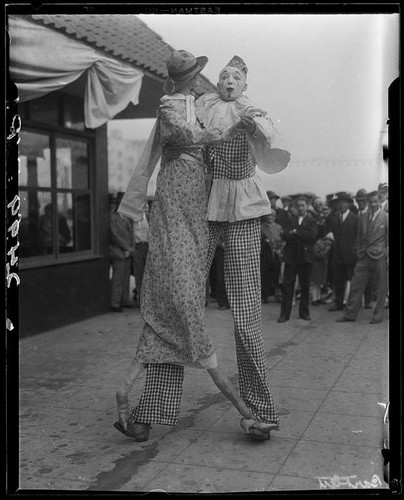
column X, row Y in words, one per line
column 264, row 146
column 175, row 130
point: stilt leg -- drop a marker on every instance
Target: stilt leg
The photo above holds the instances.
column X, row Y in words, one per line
column 228, row 389
column 123, row 391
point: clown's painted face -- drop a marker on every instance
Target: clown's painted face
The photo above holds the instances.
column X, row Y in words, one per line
column 232, row 83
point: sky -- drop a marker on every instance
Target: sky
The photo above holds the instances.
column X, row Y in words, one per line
column 323, row 80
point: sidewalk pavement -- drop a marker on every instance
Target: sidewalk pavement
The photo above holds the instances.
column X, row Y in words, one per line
column 328, row 381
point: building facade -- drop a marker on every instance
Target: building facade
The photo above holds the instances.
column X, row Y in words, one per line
column 59, row 66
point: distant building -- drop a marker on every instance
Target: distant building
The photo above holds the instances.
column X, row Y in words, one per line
column 123, row 155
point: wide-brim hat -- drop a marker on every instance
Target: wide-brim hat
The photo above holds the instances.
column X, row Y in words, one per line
column 343, row 196
column 182, row 67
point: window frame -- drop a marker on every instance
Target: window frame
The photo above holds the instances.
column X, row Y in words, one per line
column 88, row 136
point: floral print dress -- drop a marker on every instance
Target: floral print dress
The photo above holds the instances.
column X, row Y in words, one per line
column 174, row 283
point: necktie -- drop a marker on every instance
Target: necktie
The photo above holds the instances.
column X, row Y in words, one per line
column 370, row 220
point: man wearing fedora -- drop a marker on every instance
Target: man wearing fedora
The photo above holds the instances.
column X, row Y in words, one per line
column 363, row 209
column 300, row 237
column 281, row 215
column 362, row 201
column 344, row 226
column 383, row 192
column 372, row 252
column 121, row 247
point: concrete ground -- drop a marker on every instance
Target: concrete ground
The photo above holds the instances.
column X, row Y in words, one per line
column 329, row 382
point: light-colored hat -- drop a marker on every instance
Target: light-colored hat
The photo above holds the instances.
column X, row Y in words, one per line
column 182, row 67
column 237, row 62
column 329, row 236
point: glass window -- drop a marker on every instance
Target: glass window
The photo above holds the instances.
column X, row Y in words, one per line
column 54, row 180
column 36, row 226
column 83, row 221
column 63, row 186
column 74, row 222
column 34, row 155
column 73, row 113
column 71, row 163
column 65, row 223
column 45, row 109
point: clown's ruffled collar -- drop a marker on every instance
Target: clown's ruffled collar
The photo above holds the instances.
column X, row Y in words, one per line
column 213, row 111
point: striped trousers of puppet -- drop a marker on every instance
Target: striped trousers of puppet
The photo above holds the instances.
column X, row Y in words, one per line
column 161, row 398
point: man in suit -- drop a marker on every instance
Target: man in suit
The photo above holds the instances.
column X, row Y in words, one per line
column 383, row 193
column 141, row 242
column 362, row 202
column 372, row 252
column 281, row 215
column 300, row 236
column 344, row 226
column 121, row 247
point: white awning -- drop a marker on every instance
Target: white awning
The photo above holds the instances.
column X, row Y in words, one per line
column 43, row 60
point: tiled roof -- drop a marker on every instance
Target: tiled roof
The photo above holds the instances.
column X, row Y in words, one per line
column 123, row 36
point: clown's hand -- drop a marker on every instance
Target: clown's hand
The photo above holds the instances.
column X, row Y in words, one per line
column 247, row 122
column 232, row 131
column 172, row 152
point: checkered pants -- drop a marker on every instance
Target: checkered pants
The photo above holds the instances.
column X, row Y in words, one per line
column 161, row 398
column 243, row 285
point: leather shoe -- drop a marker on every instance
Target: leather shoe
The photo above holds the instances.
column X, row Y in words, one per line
column 306, row 317
column 368, row 306
column 343, row 319
column 375, row 321
column 282, row 319
column 117, row 309
column 139, row 432
column 335, row 308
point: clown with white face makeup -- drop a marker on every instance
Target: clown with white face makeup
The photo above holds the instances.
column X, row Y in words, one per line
column 237, row 201
column 232, row 83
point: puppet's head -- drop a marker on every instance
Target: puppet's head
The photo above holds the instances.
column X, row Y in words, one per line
column 233, row 79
